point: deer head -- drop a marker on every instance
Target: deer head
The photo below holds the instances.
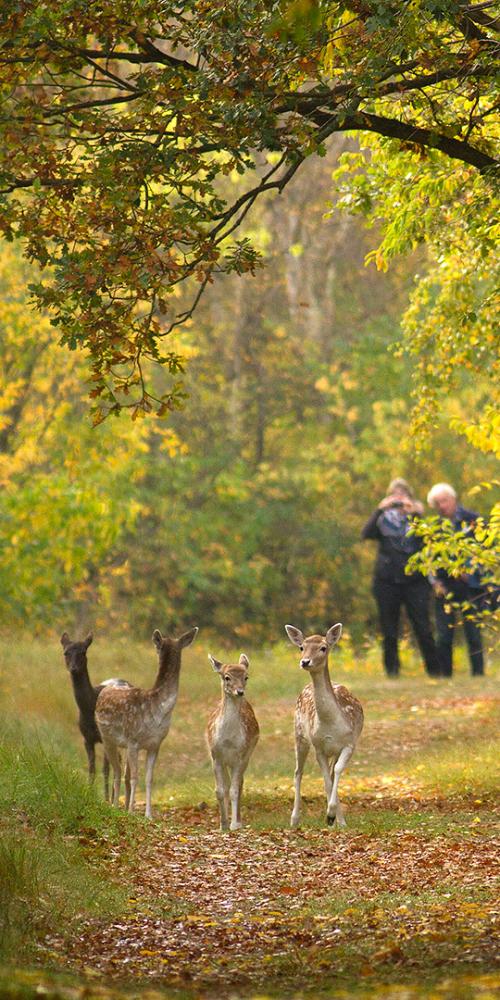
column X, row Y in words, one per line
column 164, row 643
column 233, row 676
column 75, row 653
column 315, row 648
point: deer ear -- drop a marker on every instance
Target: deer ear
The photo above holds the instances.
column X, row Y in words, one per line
column 333, row 634
column 88, row 641
column 188, row 637
column 65, row 640
column 216, row 664
column 295, row 635
column 244, row 661
column 157, row 638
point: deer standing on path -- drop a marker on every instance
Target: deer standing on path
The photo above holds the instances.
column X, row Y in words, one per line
column 136, row 719
column 327, row 717
column 232, row 735
column 86, row 694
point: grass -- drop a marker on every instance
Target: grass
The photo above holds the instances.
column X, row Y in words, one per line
column 47, row 812
column 425, row 772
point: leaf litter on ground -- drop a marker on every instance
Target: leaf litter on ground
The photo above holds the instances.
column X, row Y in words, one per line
column 290, row 906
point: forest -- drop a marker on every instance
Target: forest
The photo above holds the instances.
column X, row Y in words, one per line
column 248, row 277
column 246, row 505
column 347, row 336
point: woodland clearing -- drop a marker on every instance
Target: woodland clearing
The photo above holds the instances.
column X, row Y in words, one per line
column 401, row 904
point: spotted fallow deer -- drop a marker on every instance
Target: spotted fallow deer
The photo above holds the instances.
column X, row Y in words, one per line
column 232, row 735
column 136, row 719
column 86, row 694
column 327, row 717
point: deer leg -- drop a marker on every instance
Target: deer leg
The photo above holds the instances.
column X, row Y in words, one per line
column 235, row 793
column 113, row 756
column 133, row 764
column 150, row 763
column 105, row 771
column 301, row 752
column 227, row 781
column 325, row 770
column 127, row 785
column 90, row 748
column 334, row 811
column 238, row 815
column 221, row 793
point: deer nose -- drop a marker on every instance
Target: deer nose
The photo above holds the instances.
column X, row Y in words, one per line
column 240, row 692
column 305, row 664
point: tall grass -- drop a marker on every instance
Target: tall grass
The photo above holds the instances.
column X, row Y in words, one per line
column 47, row 878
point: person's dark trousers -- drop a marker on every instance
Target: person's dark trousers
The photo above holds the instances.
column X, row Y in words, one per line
column 446, row 624
column 388, row 598
column 414, row 595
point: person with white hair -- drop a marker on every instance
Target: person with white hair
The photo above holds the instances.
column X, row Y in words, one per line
column 466, row 589
column 393, row 588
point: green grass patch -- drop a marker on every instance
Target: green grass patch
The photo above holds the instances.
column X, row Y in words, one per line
column 55, row 833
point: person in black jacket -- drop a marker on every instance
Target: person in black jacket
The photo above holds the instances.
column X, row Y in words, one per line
column 389, row 526
column 467, row 589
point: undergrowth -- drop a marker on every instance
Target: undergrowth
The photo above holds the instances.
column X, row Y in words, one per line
column 48, row 813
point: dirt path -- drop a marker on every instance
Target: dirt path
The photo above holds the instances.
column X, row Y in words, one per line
column 291, row 907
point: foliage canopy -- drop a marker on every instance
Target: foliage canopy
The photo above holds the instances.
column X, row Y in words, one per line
column 121, row 120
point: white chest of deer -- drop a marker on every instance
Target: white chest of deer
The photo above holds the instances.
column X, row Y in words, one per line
column 327, row 717
column 232, row 735
column 321, row 719
column 229, row 738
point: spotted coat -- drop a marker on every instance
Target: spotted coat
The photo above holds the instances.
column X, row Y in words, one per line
column 327, row 717
column 232, row 734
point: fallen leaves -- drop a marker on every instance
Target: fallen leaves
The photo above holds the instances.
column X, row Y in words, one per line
column 211, row 916
column 409, row 889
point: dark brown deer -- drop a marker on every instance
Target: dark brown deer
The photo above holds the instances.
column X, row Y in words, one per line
column 86, row 694
column 133, row 719
column 327, row 717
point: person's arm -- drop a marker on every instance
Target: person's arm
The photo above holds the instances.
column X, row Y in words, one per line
column 467, row 517
column 370, row 529
column 416, row 509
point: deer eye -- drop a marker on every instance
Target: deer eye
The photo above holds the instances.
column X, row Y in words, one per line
column 322, row 649
column 301, row 649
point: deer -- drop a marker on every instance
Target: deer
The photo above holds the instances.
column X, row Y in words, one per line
column 136, row 719
column 327, row 717
column 232, row 734
column 86, row 694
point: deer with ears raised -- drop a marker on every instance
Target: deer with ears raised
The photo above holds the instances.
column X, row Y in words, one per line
column 86, row 695
column 327, row 717
column 135, row 719
column 232, row 735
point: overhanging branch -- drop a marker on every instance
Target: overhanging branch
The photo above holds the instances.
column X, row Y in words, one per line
column 364, row 121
